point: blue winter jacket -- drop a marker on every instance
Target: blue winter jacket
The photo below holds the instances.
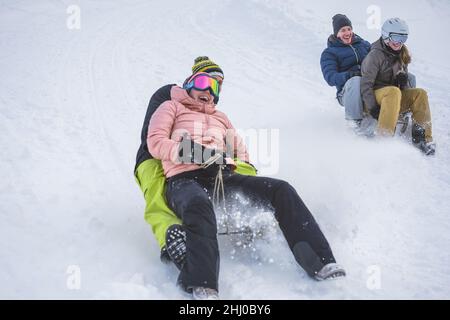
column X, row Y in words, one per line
column 338, row 59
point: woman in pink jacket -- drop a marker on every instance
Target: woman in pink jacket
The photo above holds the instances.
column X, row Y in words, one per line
column 196, row 144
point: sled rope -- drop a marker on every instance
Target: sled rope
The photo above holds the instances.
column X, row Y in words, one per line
column 219, row 188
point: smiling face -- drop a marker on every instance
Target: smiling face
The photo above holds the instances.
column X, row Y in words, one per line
column 345, row 34
column 396, row 46
column 201, row 96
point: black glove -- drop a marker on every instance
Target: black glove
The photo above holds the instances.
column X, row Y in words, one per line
column 354, row 73
column 375, row 112
column 192, row 152
column 401, row 79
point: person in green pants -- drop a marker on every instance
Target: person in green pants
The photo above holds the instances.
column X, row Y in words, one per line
column 149, row 175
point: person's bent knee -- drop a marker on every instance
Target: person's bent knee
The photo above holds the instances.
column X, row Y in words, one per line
column 354, row 81
column 420, row 92
column 284, row 187
column 393, row 91
column 352, row 85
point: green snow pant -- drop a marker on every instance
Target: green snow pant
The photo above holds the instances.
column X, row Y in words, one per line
column 150, row 177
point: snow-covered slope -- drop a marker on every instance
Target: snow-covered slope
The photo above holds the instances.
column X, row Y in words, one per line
column 72, row 104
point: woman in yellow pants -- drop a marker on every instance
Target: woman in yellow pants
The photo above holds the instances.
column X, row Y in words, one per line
column 386, row 90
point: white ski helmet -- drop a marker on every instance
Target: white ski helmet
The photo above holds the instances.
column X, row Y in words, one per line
column 395, row 26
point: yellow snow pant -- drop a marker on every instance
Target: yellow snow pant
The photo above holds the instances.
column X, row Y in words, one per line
column 394, row 101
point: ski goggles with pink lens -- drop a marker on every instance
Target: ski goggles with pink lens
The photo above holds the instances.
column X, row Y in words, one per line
column 398, row 38
column 202, row 82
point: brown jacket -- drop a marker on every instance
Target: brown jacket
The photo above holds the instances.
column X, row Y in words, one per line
column 379, row 69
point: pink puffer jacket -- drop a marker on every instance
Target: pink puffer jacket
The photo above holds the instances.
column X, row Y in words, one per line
column 202, row 122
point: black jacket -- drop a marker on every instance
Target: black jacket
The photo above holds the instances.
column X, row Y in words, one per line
column 160, row 96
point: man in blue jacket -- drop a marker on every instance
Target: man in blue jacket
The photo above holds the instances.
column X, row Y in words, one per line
column 341, row 66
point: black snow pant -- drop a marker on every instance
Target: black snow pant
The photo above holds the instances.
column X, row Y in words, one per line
column 188, row 195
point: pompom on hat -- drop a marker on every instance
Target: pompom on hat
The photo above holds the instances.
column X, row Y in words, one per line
column 204, row 64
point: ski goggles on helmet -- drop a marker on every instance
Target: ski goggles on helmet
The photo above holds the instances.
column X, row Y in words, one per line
column 202, row 81
column 398, row 38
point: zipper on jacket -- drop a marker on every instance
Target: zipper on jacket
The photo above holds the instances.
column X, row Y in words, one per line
column 206, row 119
column 356, row 54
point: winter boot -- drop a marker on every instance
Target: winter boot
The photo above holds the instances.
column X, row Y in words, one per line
column 201, row 293
column 330, row 271
column 354, row 124
column 366, row 127
column 419, row 141
column 176, row 245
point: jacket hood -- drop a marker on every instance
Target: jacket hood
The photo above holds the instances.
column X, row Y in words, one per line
column 181, row 95
column 333, row 41
column 379, row 45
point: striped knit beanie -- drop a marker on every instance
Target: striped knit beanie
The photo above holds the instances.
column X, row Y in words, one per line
column 204, row 64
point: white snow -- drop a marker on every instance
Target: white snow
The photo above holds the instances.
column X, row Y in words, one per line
column 72, row 102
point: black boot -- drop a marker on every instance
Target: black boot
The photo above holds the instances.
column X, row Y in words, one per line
column 176, row 245
column 419, row 141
